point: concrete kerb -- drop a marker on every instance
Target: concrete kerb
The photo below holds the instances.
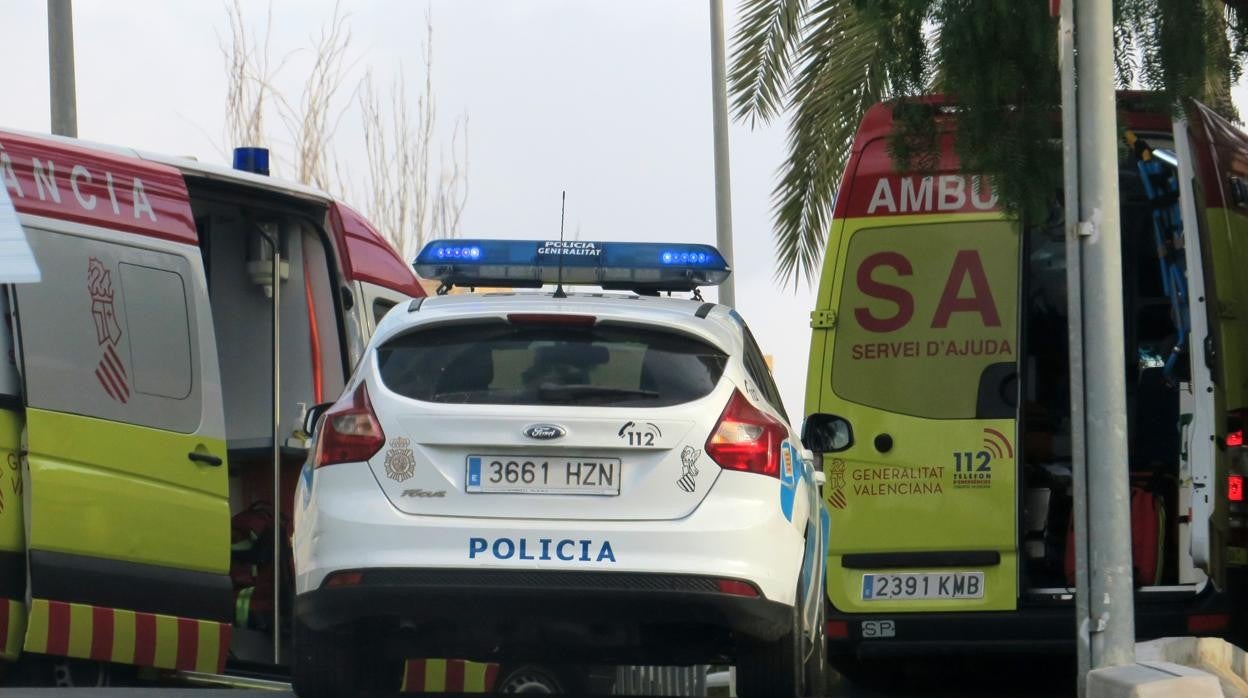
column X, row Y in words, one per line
column 1213, row 655
column 1152, row 680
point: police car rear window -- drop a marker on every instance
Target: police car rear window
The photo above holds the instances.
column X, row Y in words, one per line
column 496, row 363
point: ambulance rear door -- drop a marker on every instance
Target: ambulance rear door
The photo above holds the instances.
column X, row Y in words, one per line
column 916, row 342
column 1213, row 173
column 127, row 515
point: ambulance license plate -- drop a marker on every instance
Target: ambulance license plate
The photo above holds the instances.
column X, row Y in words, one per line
column 543, row 475
column 922, row 585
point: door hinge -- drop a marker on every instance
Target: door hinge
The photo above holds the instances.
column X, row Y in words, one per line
column 823, row 319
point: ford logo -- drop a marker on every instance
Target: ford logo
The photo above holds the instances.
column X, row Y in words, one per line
column 544, row 432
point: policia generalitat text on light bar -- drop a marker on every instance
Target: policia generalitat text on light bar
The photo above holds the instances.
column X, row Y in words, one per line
column 645, row 267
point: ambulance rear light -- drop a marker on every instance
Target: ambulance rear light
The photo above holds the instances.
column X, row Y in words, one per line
column 344, row 579
column 836, row 629
column 746, row 439
column 736, row 587
column 350, row 432
column 1235, row 488
column 1207, row 623
column 1236, row 420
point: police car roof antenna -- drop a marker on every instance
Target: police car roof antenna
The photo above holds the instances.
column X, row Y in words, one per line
column 563, row 207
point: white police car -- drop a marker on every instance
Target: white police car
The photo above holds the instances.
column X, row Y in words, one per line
column 602, row 477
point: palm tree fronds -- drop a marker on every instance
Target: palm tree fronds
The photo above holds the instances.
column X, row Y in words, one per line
column 762, row 55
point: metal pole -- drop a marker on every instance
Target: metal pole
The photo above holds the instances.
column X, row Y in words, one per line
column 61, row 68
column 723, row 178
column 1111, row 601
column 1074, row 308
column 277, row 449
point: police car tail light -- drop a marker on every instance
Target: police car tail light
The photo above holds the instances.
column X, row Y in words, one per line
column 736, row 587
column 746, row 439
column 351, row 432
column 551, row 319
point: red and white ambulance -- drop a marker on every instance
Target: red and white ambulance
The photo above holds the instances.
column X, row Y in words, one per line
column 152, row 391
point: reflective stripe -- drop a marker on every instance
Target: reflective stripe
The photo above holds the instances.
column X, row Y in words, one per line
column 435, row 675
column 448, row 676
column 126, row 637
column 12, row 627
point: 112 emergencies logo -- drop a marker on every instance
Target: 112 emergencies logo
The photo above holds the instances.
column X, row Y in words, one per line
column 973, row 469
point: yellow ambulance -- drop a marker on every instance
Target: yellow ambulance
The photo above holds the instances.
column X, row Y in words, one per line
column 938, row 394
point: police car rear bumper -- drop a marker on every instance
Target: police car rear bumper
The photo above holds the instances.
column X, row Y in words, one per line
column 349, row 525
column 1033, row 627
column 488, row 599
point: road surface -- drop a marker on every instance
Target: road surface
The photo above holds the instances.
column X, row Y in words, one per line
column 1027, row 677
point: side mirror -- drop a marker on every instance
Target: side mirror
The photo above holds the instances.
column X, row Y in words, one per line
column 827, row 433
column 313, row 416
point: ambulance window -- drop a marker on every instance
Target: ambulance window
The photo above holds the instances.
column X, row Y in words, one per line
column 381, row 306
column 160, row 333
column 107, row 333
column 926, row 312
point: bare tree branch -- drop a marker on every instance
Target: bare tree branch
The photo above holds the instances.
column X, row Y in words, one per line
column 409, row 199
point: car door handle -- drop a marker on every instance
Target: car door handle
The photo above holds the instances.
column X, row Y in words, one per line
column 205, row 458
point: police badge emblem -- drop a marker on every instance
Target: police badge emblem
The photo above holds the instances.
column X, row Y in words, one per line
column 400, row 461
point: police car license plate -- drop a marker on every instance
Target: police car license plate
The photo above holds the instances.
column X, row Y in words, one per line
column 922, row 585
column 543, row 475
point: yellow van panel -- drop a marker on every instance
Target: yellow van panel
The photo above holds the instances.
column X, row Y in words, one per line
column 113, row 490
column 12, row 529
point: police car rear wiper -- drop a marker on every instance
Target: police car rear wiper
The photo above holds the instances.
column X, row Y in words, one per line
column 565, row 392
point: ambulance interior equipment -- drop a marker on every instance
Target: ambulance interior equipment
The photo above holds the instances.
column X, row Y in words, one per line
column 1158, row 382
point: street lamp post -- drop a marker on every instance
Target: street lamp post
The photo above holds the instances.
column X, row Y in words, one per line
column 61, row 68
column 723, row 179
column 1106, row 528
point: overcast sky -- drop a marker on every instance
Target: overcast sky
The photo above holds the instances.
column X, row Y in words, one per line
column 609, row 100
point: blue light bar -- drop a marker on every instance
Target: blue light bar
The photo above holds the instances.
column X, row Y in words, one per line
column 635, row 266
column 252, row 160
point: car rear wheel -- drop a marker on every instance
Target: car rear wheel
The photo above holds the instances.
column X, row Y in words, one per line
column 325, row 664
column 529, row 678
column 772, row 669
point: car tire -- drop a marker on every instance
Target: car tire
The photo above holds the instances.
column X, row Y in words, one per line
column 325, row 664
column 816, row 670
column 772, row 669
column 529, row 678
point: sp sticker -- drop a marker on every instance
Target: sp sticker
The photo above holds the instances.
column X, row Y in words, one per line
column 689, row 465
column 400, row 461
column 640, row 434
